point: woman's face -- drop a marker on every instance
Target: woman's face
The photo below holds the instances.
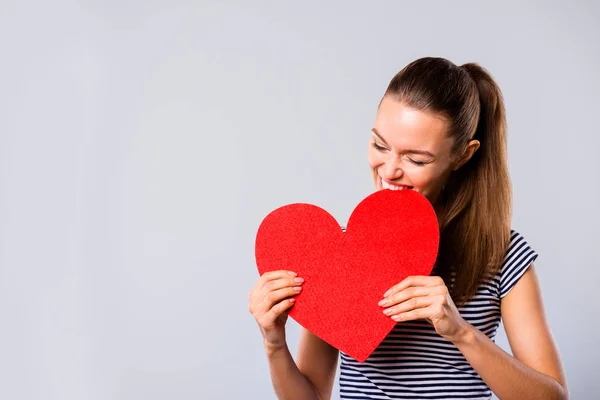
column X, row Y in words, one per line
column 410, row 149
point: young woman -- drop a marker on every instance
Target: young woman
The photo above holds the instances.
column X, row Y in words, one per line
column 440, row 129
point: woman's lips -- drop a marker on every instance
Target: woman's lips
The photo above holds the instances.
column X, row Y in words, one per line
column 392, row 186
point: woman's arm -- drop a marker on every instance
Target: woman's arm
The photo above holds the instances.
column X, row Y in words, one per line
column 269, row 301
column 311, row 377
column 318, row 362
column 535, row 371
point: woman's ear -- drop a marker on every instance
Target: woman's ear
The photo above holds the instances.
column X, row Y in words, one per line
column 468, row 153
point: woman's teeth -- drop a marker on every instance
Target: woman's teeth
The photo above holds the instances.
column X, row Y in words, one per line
column 386, row 185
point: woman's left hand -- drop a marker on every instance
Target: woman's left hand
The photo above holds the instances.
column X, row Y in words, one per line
column 425, row 297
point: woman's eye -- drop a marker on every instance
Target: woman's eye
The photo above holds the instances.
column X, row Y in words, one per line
column 419, row 163
column 415, row 162
column 378, row 147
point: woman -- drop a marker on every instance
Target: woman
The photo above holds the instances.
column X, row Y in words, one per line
column 440, row 129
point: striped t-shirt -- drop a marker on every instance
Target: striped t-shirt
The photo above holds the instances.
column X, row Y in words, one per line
column 415, row 362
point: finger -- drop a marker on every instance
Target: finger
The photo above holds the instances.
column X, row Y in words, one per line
column 277, row 310
column 420, row 313
column 409, row 305
column 415, row 280
column 271, row 275
column 281, row 283
column 405, row 294
column 268, row 277
column 275, row 285
column 276, row 296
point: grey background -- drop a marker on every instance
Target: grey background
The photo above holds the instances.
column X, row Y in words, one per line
column 142, row 143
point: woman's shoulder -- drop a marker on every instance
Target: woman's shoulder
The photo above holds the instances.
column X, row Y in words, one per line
column 517, row 247
column 518, row 257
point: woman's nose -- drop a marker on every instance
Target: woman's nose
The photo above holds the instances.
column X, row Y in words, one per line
column 393, row 170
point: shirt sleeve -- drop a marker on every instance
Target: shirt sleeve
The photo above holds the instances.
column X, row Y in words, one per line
column 519, row 257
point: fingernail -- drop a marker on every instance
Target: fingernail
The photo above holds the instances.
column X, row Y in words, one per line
column 387, row 311
column 297, row 288
column 383, row 302
column 292, row 273
column 298, row 279
column 386, row 293
column 292, row 300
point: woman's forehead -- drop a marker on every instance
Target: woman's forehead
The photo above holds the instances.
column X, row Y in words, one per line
column 400, row 125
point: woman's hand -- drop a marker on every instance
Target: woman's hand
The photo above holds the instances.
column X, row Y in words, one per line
column 269, row 301
column 425, row 297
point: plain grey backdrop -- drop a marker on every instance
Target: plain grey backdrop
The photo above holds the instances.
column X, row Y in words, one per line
column 142, row 143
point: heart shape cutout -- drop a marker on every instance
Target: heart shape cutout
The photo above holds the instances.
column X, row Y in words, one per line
column 390, row 235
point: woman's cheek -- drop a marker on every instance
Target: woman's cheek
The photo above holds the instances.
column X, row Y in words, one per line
column 375, row 159
column 423, row 184
column 371, row 158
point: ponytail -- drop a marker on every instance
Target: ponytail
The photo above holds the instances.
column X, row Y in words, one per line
column 479, row 206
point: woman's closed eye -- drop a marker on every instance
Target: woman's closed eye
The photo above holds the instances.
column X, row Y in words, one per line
column 416, row 162
column 412, row 160
column 378, row 147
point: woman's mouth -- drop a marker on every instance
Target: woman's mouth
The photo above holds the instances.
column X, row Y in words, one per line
column 392, row 186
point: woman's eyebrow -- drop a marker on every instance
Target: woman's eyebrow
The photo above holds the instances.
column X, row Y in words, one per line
column 379, row 136
column 423, row 152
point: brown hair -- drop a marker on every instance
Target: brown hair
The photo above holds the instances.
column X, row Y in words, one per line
column 476, row 201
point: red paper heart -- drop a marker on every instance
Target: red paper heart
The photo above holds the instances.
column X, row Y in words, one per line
column 389, row 236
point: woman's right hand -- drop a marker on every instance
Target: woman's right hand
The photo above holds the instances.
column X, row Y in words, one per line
column 269, row 300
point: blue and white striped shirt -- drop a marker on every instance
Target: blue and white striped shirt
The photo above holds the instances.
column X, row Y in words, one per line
column 415, row 362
